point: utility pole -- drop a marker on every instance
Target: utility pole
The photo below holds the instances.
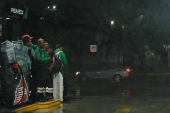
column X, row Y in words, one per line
column 168, row 57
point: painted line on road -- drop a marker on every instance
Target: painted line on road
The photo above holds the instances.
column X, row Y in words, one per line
column 122, row 111
column 39, row 105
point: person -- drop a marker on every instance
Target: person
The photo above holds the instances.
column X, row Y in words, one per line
column 59, row 51
column 26, row 39
column 29, row 57
column 50, row 66
column 44, row 80
column 50, row 53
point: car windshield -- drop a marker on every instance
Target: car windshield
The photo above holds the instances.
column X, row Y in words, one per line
column 109, row 56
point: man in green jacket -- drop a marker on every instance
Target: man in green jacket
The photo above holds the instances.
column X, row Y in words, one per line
column 59, row 51
column 43, row 78
column 42, row 57
column 62, row 56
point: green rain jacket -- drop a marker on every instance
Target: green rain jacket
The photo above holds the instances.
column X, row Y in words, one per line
column 42, row 57
column 62, row 58
column 34, row 47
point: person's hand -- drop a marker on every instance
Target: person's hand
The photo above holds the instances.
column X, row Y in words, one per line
column 50, row 60
column 50, row 69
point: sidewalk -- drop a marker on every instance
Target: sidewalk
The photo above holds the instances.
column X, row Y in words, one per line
column 150, row 74
column 28, row 108
column 151, row 71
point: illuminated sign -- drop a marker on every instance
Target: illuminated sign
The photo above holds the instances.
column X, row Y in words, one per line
column 17, row 11
column 93, row 48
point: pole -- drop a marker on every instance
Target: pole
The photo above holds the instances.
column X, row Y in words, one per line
column 168, row 57
column 152, row 60
column 3, row 23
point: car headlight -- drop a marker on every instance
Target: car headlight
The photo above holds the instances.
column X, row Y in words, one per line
column 77, row 73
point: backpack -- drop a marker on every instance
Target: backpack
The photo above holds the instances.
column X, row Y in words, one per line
column 57, row 64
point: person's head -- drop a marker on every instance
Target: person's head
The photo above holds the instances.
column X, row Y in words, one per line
column 59, row 47
column 26, row 39
column 40, row 42
column 47, row 45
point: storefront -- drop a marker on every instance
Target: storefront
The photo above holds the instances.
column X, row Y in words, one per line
column 10, row 20
column 1, row 15
column 11, row 14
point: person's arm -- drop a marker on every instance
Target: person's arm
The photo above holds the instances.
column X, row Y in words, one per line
column 40, row 59
column 33, row 47
column 33, row 54
column 65, row 63
column 52, row 65
column 34, row 57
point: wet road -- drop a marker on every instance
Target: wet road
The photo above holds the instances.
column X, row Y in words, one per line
column 138, row 94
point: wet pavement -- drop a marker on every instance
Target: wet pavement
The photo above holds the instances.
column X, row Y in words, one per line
column 137, row 94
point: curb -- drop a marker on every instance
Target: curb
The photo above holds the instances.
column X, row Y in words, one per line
column 39, row 105
column 150, row 74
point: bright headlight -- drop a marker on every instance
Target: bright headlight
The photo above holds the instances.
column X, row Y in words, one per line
column 77, row 73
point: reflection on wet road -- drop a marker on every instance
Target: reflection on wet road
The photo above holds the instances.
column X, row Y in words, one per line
column 138, row 94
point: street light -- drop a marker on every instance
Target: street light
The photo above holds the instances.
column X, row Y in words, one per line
column 48, row 7
column 123, row 26
column 54, row 7
column 112, row 22
column 141, row 16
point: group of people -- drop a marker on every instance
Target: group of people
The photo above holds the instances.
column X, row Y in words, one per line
column 40, row 59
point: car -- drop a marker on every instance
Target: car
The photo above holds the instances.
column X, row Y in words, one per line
column 111, row 71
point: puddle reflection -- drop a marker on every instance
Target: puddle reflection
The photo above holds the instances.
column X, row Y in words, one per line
column 55, row 109
column 128, row 93
column 78, row 92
